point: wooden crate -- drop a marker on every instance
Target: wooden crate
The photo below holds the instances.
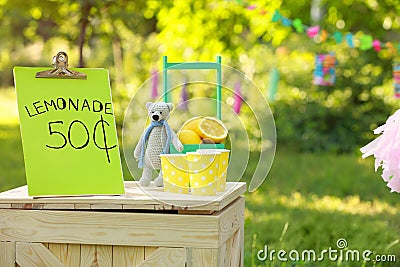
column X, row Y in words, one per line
column 130, row 230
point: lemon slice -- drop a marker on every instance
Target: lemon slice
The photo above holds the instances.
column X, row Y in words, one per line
column 189, row 137
column 211, row 128
column 192, row 124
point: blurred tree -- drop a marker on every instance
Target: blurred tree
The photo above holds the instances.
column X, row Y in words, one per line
column 340, row 118
column 129, row 38
column 81, row 23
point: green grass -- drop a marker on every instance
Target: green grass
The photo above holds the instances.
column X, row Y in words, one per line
column 320, row 198
column 12, row 171
column 308, row 201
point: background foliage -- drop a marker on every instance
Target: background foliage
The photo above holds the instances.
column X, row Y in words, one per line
column 130, row 37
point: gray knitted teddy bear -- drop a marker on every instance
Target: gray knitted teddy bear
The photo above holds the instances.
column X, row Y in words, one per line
column 155, row 141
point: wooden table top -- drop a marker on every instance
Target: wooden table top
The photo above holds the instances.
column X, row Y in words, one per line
column 135, row 198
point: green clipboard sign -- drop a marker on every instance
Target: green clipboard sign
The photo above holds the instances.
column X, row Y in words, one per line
column 68, row 134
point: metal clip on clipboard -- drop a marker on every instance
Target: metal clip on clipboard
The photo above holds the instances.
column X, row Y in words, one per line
column 61, row 71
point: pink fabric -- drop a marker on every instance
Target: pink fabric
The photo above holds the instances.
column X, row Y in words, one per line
column 238, row 98
column 154, row 84
column 386, row 150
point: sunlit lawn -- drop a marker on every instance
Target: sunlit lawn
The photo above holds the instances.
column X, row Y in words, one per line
column 309, row 201
column 320, row 198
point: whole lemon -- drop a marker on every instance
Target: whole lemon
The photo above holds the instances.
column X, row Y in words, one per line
column 189, row 137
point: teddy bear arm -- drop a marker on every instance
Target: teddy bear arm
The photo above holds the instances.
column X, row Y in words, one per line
column 176, row 142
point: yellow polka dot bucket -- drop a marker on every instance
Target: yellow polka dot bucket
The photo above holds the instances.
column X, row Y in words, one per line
column 203, row 172
column 222, row 166
column 175, row 173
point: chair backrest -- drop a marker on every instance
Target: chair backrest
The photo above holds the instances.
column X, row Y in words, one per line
column 194, row 66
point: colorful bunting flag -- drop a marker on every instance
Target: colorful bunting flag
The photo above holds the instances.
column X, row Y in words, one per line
column 391, row 48
column 298, row 25
column 376, row 45
column 273, row 83
column 184, row 97
column 237, row 105
column 366, row 42
column 277, row 16
column 154, row 84
column 349, row 40
column 324, row 35
column 313, row 31
column 338, row 37
column 396, row 79
column 286, row 22
column 324, row 73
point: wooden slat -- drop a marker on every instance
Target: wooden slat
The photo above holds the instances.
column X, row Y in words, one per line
column 231, row 219
column 196, row 212
column 137, row 229
column 138, row 207
column 37, row 206
column 82, row 206
column 154, row 198
column 24, row 206
column 7, row 254
column 148, row 251
column 121, row 256
column 189, row 257
column 70, row 255
column 5, row 206
column 88, row 256
column 35, row 254
column 138, row 255
column 228, row 253
column 127, row 256
column 236, row 248
column 222, row 256
column 104, row 255
column 166, row 257
column 106, row 206
column 241, row 245
column 63, row 253
column 164, row 206
column 205, row 257
column 233, row 191
column 59, row 206
column 55, row 249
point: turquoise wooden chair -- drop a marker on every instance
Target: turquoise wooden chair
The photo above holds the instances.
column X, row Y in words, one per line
column 167, row 66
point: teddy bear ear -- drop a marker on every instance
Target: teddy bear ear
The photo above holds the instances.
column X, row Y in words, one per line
column 170, row 106
column 149, row 105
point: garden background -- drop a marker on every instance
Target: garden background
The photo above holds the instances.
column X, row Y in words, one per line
column 319, row 189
